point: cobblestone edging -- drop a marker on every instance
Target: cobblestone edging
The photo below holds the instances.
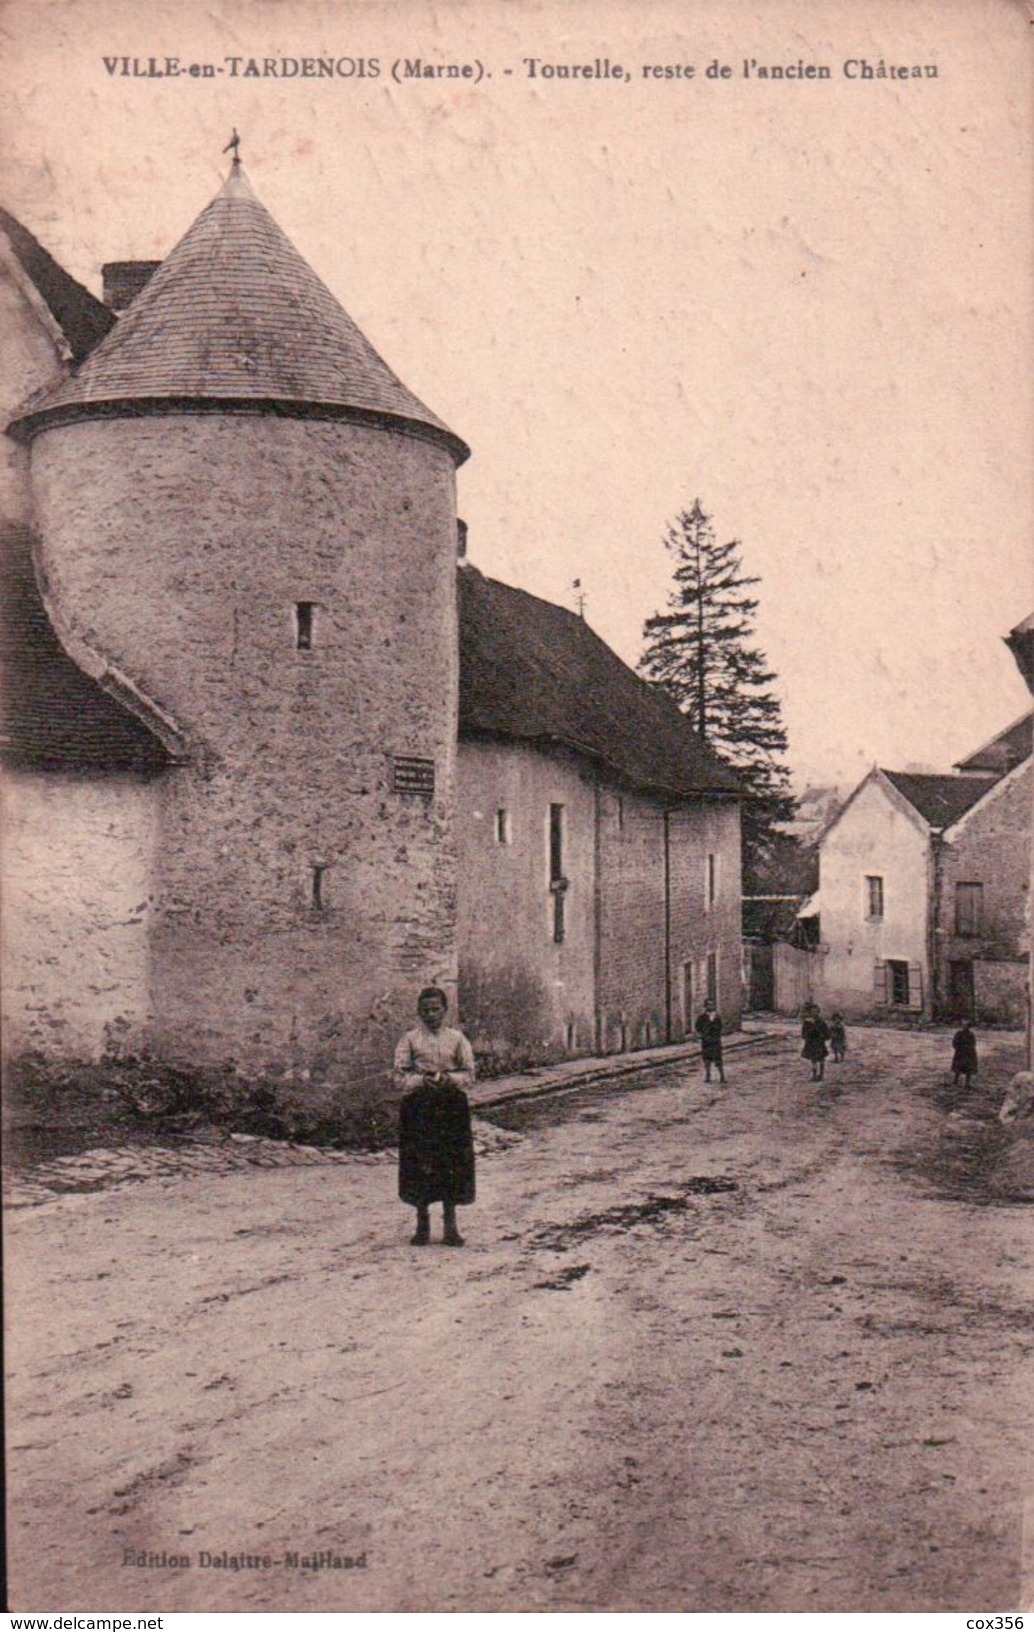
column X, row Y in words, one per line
column 105, row 1169
column 215, row 1152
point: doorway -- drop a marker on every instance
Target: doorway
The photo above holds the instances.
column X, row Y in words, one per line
column 961, row 989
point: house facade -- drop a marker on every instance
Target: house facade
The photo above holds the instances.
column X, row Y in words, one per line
column 242, row 767
column 922, row 902
column 983, row 904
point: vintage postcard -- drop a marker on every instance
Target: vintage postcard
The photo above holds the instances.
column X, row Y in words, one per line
column 516, row 737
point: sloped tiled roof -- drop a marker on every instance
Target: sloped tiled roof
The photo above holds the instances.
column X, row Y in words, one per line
column 52, row 715
column 940, row 800
column 82, row 318
column 1005, row 750
column 234, row 314
column 531, row 671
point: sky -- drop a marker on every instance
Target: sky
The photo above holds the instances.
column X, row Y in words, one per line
column 806, row 302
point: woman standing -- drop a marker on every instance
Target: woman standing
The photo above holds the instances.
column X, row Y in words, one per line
column 434, row 1066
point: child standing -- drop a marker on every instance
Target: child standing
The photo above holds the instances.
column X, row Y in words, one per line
column 964, row 1054
column 838, row 1036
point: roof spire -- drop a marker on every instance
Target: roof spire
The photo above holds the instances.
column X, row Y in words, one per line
column 235, row 144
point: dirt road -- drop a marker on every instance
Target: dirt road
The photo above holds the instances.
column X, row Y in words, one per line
column 752, row 1349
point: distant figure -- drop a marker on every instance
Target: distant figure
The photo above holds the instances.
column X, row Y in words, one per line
column 434, row 1065
column 815, row 1033
column 838, row 1036
column 709, row 1028
column 964, row 1054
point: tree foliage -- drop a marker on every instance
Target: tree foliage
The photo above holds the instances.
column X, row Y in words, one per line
column 702, row 651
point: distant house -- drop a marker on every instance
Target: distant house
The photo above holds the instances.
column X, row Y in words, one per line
column 922, row 895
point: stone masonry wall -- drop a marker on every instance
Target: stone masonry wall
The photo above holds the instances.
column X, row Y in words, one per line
column 633, row 1000
column 515, row 982
column 180, row 547
column 519, row 989
column 76, row 868
column 991, row 846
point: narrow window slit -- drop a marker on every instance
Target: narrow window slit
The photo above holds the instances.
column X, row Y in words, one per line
column 304, row 616
column 318, row 874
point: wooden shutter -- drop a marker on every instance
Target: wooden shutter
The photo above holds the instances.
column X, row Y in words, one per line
column 915, row 985
column 879, row 983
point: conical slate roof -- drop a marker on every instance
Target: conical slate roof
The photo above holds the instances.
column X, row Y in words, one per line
column 234, row 314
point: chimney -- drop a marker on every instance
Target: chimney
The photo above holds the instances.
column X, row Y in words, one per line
column 123, row 281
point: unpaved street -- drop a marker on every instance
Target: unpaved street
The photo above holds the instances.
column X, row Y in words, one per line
column 755, row 1349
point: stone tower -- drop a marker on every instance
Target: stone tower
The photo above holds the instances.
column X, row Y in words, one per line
column 247, row 532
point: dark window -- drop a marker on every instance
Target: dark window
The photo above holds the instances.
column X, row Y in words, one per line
column 969, row 909
column 712, row 880
column 557, row 881
column 712, row 978
column 687, row 996
column 897, row 975
column 502, row 827
column 873, row 897
column 304, row 615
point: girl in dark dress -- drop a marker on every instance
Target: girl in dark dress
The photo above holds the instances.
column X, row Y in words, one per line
column 434, row 1065
column 964, row 1054
column 709, row 1030
column 838, row 1036
column 815, row 1033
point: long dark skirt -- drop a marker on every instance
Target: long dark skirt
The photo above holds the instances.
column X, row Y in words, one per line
column 436, row 1146
column 816, row 1035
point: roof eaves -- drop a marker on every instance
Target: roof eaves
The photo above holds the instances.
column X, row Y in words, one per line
column 998, row 786
column 30, row 421
column 620, row 773
column 998, row 739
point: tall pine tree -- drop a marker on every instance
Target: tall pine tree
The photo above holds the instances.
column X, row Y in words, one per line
column 700, row 650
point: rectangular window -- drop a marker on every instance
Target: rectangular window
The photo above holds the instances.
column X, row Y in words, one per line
column 873, row 897
column 897, row 981
column 304, row 620
column 712, row 978
column 712, row 880
column 969, row 909
column 557, row 881
column 502, row 827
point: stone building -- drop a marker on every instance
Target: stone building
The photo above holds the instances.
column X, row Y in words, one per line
column 594, row 829
column 239, row 815
column 922, row 901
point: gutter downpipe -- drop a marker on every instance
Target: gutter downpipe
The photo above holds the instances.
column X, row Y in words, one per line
column 667, row 925
column 597, row 914
column 934, row 939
